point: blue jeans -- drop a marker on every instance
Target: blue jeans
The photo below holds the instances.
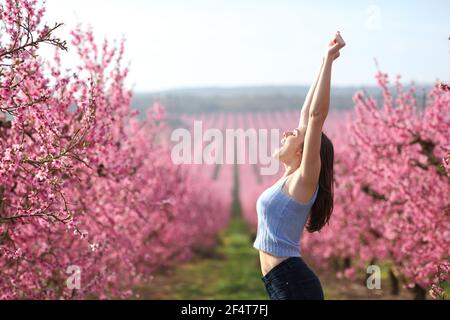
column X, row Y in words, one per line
column 292, row 279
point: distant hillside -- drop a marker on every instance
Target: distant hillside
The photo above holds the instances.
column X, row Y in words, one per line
column 214, row 99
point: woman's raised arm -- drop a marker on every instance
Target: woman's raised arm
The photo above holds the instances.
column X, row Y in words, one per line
column 321, row 100
column 309, row 170
column 304, row 112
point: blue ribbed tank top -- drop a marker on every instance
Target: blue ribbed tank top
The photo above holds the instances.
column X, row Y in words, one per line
column 281, row 220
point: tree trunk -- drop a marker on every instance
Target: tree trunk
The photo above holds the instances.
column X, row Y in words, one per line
column 347, row 263
column 395, row 287
column 419, row 293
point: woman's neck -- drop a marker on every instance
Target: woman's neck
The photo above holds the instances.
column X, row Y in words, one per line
column 290, row 168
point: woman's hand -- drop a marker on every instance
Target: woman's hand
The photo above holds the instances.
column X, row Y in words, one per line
column 336, row 44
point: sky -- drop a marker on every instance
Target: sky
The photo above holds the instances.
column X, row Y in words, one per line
column 202, row 43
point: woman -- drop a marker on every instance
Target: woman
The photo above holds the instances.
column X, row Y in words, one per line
column 305, row 191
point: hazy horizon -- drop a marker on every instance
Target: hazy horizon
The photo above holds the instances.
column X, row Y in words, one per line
column 273, row 86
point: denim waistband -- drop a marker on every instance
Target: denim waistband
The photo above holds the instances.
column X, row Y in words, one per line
column 279, row 271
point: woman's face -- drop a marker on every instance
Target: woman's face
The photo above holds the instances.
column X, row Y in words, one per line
column 292, row 145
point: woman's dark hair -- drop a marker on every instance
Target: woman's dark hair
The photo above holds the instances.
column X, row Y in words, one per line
column 323, row 206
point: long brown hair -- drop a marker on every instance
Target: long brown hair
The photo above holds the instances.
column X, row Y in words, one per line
column 323, row 206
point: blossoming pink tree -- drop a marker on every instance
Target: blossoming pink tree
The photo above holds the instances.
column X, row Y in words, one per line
column 391, row 195
column 391, row 203
column 82, row 182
